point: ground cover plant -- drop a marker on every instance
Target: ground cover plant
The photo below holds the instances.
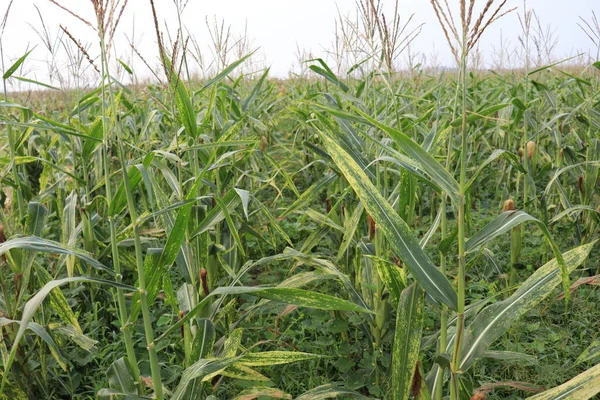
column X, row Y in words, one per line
column 355, row 233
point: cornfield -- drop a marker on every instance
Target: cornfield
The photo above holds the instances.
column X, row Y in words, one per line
column 360, row 234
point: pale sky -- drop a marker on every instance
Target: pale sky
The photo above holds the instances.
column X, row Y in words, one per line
column 276, row 26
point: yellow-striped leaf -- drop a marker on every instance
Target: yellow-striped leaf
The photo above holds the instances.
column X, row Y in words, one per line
column 299, row 297
column 432, row 167
column 584, row 386
column 494, row 320
column 393, row 277
column 260, row 392
column 330, row 391
column 592, row 352
column 402, row 241
column 505, row 222
column 243, row 372
column 268, row 358
column 199, row 370
column 407, row 340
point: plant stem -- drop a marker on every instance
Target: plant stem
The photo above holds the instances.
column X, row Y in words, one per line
column 148, row 330
column 121, row 303
column 460, row 312
column 525, row 160
column 438, row 395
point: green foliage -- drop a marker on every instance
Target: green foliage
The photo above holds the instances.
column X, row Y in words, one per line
column 246, row 237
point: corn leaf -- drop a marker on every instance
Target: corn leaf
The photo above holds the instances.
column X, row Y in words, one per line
column 11, row 70
column 229, row 69
column 331, row 391
column 493, row 321
column 35, row 243
column 303, row 298
column 591, row 353
column 199, row 370
column 33, row 81
column 310, row 193
column 110, row 394
column 430, row 165
column 584, row 386
column 268, row 358
column 258, row 392
column 299, row 297
column 225, row 206
column 493, row 157
column 402, row 241
column 239, row 371
column 119, row 200
column 505, row 222
column 204, row 339
column 41, row 332
column 393, row 277
column 33, row 304
column 35, row 222
column 327, row 73
column 407, row 340
column 119, row 377
column 58, row 301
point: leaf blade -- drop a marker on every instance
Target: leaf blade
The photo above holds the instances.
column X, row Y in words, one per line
column 493, row 320
column 584, row 386
column 407, row 341
column 404, row 244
